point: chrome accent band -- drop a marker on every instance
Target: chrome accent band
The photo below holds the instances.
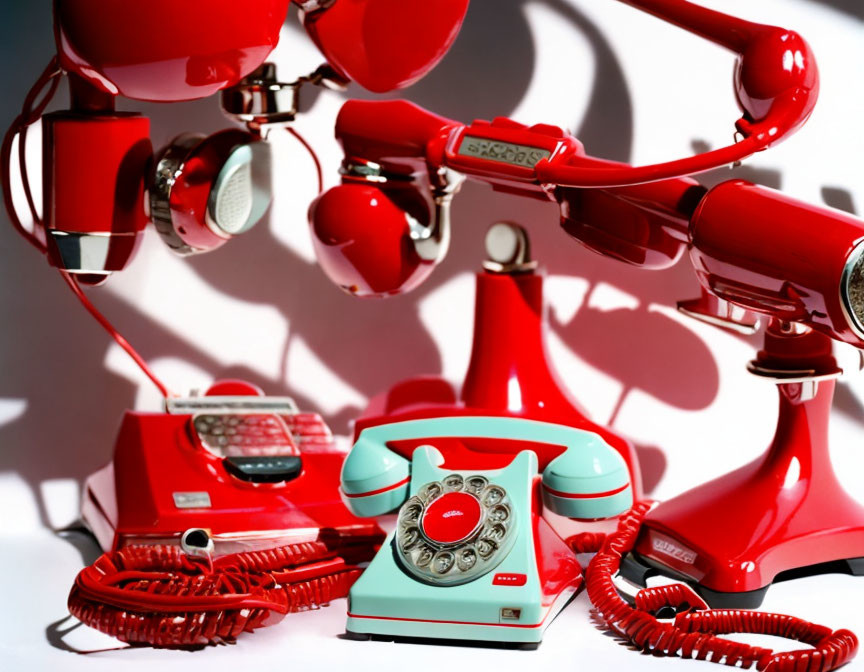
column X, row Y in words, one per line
column 169, row 167
column 730, row 322
column 852, row 289
column 231, row 404
column 85, row 253
column 782, row 376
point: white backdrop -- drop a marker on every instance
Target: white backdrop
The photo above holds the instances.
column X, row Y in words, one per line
column 632, row 88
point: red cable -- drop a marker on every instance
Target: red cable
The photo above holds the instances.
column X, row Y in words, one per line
column 312, row 153
column 28, row 116
column 30, row 113
column 160, row 596
column 693, row 634
column 116, row 335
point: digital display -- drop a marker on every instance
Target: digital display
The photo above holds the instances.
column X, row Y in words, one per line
column 505, row 152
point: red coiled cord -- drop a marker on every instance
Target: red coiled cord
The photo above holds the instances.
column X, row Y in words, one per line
column 159, row 595
column 693, row 634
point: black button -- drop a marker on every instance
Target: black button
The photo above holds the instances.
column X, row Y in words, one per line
column 264, row 469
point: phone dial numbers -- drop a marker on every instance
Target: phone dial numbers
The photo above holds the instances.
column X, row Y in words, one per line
column 525, row 156
column 455, row 530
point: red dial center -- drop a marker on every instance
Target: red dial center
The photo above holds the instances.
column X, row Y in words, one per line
column 452, row 517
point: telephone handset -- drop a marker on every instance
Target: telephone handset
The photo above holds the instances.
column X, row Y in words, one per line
column 472, row 556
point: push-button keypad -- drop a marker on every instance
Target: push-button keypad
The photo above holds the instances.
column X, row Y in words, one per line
column 244, row 435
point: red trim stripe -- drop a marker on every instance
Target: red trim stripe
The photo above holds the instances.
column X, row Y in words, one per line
column 593, row 495
column 379, row 490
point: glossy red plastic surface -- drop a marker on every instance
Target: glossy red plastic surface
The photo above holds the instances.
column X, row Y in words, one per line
column 94, row 166
column 385, row 44
column 783, row 511
column 166, row 51
column 233, row 387
column 132, row 499
column 192, row 188
column 452, row 517
column 557, row 565
column 509, row 374
column 362, row 238
column 765, row 251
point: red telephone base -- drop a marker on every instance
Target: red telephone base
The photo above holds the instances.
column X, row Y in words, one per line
column 782, row 516
column 161, row 482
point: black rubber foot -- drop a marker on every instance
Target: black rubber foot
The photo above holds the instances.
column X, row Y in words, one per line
column 856, row 566
column 751, row 599
column 637, row 570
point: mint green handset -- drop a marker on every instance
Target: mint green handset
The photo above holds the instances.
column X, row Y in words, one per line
column 590, row 480
column 471, row 557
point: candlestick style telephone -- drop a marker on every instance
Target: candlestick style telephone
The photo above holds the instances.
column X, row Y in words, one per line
column 472, row 556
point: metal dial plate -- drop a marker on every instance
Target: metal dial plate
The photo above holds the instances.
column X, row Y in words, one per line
column 467, row 559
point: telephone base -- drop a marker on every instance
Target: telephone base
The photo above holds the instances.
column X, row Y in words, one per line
column 783, row 516
column 163, row 480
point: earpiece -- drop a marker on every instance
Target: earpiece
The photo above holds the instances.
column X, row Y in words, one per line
column 376, row 234
column 205, row 190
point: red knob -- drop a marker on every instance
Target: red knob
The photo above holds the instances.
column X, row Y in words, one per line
column 232, row 387
column 362, row 238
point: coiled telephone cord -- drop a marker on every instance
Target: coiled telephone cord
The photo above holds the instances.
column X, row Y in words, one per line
column 163, row 597
column 694, row 631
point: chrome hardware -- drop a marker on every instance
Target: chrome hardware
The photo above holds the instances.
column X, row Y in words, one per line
column 508, row 249
column 260, row 100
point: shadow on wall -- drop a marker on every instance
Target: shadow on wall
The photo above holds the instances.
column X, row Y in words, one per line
column 52, row 354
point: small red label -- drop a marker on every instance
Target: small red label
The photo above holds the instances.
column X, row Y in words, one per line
column 509, row 579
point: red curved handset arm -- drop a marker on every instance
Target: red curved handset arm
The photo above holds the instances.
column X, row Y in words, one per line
column 776, row 84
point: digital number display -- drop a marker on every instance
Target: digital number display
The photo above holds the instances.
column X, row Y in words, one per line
column 505, row 152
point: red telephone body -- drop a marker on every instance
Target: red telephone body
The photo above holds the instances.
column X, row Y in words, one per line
column 164, row 480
